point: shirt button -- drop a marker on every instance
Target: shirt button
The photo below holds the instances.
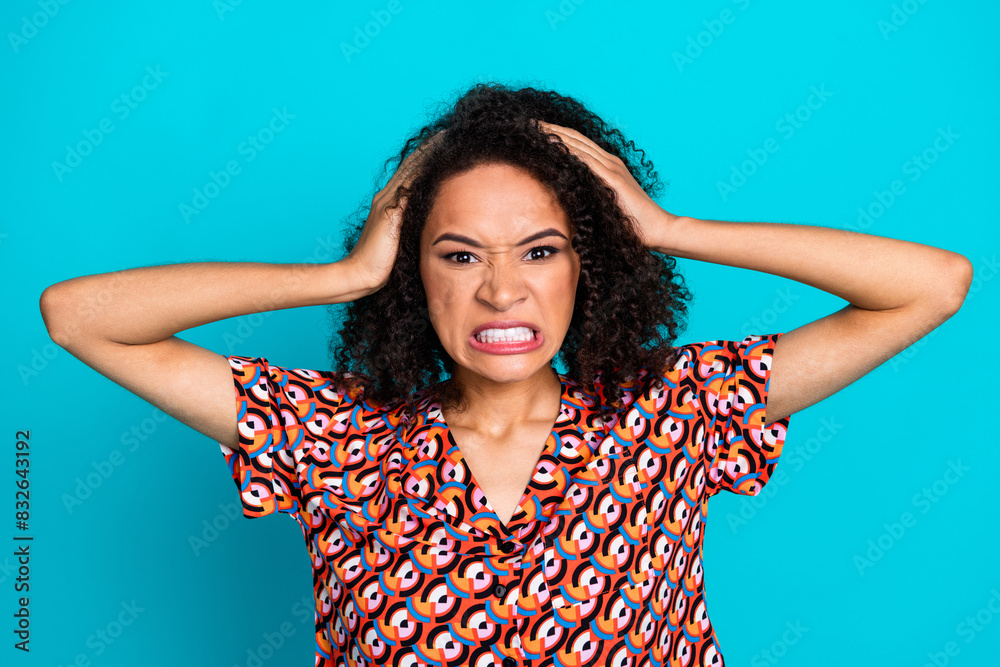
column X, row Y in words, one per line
column 509, row 662
column 506, row 547
column 499, row 590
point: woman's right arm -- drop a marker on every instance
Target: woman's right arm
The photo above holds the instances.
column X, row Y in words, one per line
column 122, row 324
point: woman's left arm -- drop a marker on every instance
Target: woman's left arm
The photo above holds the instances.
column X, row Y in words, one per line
column 897, row 291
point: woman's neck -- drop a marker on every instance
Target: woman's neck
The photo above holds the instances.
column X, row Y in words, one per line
column 491, row 407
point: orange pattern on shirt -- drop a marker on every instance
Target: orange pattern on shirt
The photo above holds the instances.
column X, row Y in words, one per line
column 599, row 565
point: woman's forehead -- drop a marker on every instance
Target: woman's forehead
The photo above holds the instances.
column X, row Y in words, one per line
column 495, row 202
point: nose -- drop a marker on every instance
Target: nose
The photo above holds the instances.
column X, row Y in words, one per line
column 501, row 287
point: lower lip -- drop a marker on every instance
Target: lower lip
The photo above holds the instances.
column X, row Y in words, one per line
column 511, row 347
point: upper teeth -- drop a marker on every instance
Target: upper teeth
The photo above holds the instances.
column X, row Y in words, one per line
column 512, row 334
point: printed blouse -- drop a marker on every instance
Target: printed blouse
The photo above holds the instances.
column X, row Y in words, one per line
column 600, row 563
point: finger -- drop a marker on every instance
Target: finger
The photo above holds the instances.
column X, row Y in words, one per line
column 580, row 139
column 411, row 164
column 581, row 146
column 587, row 154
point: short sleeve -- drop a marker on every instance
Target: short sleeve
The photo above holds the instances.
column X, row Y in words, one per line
column 740, row 452
column 280, row 411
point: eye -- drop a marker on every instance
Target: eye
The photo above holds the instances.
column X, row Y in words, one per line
column 460, row 253
column 542, row 248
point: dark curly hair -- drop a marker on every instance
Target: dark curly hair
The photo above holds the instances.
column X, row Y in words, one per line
column 630, row 301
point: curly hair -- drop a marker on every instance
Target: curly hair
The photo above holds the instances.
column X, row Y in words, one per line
column 630, row 301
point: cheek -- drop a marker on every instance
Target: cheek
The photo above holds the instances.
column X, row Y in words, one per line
column 442, row 289
column 573, row 281
column 444, row 301
column 564, row 286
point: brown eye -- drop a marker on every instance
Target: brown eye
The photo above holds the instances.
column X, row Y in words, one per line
column 460, row 253
column 540, row 249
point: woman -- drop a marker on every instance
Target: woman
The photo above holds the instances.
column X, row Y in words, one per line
column 463, row 502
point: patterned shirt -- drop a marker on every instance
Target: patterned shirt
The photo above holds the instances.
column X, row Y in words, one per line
column 600, row 563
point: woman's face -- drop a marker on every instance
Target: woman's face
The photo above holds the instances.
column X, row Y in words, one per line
column 496, row 251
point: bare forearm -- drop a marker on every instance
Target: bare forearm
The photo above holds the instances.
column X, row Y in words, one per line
column 870, row 272
column 148, row 304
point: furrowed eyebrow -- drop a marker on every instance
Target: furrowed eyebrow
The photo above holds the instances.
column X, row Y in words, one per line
column 447, row 236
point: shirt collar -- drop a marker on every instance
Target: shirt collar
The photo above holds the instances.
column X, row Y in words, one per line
column 438, row 482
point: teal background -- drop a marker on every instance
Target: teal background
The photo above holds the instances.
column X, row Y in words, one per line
column 872, row 447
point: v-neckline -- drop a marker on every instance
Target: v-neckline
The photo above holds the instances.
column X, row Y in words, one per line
column 553, row 443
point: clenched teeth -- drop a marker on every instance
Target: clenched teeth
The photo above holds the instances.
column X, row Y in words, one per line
column 505, row 335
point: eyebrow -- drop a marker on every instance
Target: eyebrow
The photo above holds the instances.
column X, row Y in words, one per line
column 447, row 236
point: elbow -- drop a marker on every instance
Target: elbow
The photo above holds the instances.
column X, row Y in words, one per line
column 955, row 283
column 49, row 305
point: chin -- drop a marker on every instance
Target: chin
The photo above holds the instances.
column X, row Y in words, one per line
column 507, row 370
